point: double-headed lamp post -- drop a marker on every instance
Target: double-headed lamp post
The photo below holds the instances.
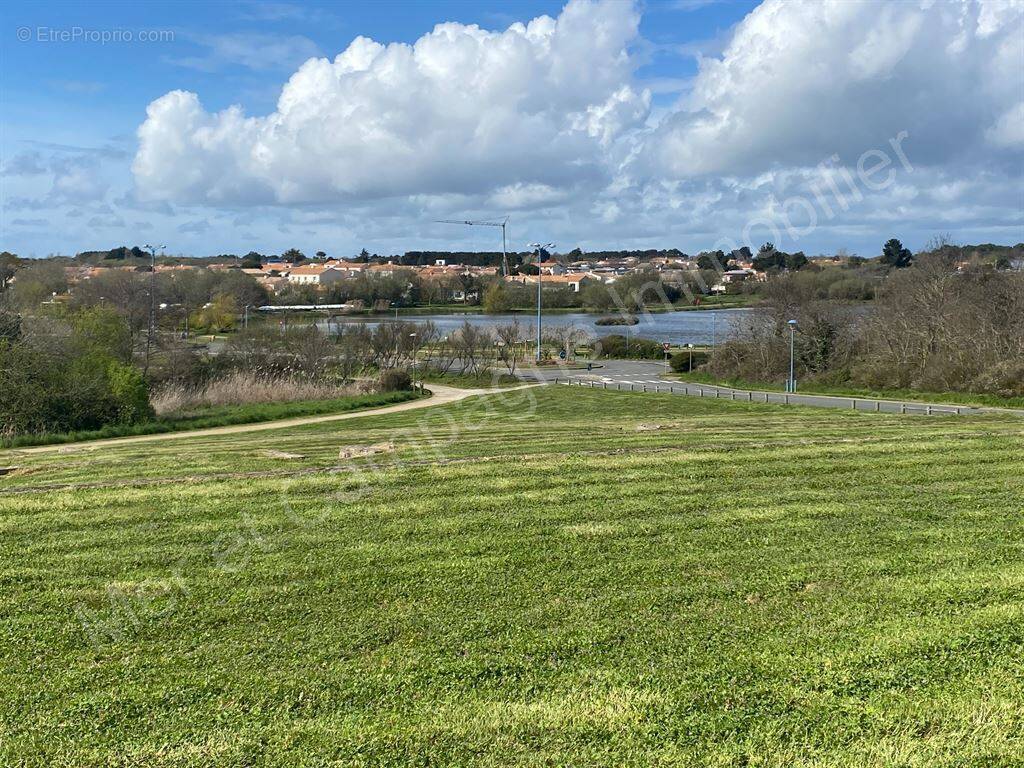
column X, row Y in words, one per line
column 539, row 248
column 792, row 344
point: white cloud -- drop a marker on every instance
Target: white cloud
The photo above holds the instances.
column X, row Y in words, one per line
column 252, row 50
column 196, row 227
column 1008, row 130
column 106, row 222
column 462, row 110
column 551, row 121
column 25, row 164
column 77, row 179
column 86, row 87
column 801, row 81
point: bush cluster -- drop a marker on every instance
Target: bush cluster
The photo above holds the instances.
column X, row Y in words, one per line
column 70, row 376
column 680, row 361
column 394, row 381
column 619, row 346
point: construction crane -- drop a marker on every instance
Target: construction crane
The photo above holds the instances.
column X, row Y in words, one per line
column 504, row 239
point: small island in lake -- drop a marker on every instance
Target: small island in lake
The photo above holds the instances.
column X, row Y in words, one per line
column 617, row 320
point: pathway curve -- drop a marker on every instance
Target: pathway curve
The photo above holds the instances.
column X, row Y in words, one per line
column 440, row 396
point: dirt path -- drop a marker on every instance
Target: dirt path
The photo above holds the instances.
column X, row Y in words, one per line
column 441, row 395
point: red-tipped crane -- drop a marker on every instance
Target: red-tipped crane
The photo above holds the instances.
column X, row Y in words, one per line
column 504, row 239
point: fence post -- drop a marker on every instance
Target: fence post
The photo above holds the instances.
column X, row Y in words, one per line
column 853, row 403
column 787, row 399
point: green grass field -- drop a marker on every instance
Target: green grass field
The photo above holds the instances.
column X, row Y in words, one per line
column 555, row 576
column 813, row 388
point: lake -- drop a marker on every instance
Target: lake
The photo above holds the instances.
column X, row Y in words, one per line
column 688, row 327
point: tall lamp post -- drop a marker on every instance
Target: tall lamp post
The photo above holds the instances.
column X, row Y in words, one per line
column 540, row 255
column 415, row 350
column 792, row 344
column 152, row 299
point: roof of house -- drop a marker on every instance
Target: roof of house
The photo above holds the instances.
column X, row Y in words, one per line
column 575, row 277
column 312, row 269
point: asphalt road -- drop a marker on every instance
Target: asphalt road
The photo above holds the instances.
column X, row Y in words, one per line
column 646, row 376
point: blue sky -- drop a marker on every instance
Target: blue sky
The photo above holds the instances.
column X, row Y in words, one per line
column 685, row 123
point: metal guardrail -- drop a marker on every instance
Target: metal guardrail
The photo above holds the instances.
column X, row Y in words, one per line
column 771, row 398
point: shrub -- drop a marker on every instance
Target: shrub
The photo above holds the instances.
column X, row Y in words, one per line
column 10, row 326
column 680, row 361
column 130, row 393
column 394, row 381
column 1005, row 378
column 58, row 389
column 850, row 289
column 619, row 346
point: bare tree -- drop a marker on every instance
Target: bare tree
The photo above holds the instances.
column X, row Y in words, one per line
column 566, row 338
column 470, row 343
column 508, row 336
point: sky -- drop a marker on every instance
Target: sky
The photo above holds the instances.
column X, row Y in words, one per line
column 214, row 128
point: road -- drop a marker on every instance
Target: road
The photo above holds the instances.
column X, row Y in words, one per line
column 646, row 376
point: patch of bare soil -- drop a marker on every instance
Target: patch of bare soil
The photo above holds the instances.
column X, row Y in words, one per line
column 359, row 451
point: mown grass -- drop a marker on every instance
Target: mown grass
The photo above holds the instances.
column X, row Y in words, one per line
column 553, row 576
column 214, row 416
column 813, row 388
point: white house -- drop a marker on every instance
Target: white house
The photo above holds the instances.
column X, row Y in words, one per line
column 315, row 274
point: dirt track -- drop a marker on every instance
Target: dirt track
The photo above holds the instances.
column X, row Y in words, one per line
column 441, row 395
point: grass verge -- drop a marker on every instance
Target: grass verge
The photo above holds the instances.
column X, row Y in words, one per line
column 219, row 416
column 910, row 395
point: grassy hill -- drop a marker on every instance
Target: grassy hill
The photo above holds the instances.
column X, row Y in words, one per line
column 554, row 576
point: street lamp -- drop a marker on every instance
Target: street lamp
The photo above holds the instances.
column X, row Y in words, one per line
column 152, row 298
column 689, row 368
column 792, row 343
column 540, row 251
column 415, row 351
